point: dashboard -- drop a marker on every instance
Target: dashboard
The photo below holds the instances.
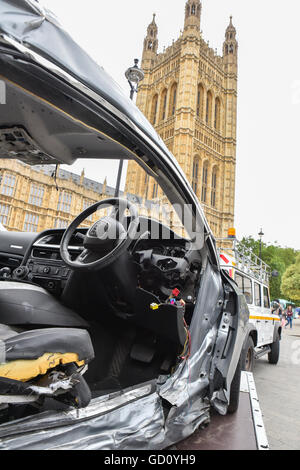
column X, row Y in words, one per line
column 13, row 246
column 36, row 257
column 44, row 265
column 163, row 263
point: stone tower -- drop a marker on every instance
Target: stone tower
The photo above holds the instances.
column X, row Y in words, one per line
column 189, row 94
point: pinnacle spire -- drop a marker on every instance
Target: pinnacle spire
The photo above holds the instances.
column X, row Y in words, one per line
column 230, row 46
column 192, row 14
column 151, row 41
column 230, row 27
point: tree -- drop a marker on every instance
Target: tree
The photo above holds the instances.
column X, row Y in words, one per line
column 290, row 285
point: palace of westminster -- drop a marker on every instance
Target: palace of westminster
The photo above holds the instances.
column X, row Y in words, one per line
column 189, row 94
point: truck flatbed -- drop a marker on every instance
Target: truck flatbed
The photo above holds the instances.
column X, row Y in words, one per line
column 243, row 430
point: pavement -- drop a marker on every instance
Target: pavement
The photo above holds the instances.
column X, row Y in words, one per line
column 278, row 389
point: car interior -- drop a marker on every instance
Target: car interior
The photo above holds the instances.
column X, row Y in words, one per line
column 90, row 311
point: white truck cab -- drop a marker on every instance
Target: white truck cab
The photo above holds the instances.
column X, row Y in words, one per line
column 252, row 277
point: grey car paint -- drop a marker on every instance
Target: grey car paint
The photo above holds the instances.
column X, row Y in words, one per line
column 158, row 414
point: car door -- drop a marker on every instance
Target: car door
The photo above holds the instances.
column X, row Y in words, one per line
column 270, row 318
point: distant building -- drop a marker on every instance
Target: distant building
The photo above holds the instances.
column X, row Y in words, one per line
column 189, row 94
column 29, row 200
column 32, row 199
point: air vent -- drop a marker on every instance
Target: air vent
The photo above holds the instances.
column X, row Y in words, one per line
column 45, row 254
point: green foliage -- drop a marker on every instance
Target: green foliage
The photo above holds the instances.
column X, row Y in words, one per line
column 290, row 284
column 279, row 259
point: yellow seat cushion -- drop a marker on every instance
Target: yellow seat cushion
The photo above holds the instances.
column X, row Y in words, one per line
column 24, row 370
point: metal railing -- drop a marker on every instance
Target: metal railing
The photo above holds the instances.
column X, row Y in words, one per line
column 246, row 261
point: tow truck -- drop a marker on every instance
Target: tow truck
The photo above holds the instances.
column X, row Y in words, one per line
column 243, row 430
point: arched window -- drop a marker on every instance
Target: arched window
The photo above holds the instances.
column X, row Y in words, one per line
column 214, row 182
column 163, row 105
column 154, row 109
column 208, row 108
column 217, row 114
column 195, row 177
column 199, row 108
column 150, row 45
column 173, row 99
column 204, row 183
column 193, row 10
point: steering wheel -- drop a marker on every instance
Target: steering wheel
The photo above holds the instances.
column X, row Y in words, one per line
column 106, row 240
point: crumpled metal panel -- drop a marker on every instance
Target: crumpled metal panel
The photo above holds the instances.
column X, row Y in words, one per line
column 137, row 425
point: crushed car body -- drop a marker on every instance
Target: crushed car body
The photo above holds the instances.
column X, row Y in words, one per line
column 143, row 334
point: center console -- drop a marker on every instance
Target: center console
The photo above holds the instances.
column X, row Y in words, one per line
column 50, row 274
column 45, row 266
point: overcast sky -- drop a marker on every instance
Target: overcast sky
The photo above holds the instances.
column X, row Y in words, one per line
column 268, row 186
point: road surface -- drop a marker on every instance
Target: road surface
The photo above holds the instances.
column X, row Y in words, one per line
column 278, row 389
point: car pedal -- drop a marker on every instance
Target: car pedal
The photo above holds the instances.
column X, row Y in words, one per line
column 142, row 353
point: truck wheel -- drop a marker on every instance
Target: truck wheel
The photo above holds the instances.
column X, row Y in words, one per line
column 248, row 356
column 246, row 362
column 234, row 398
column 273, row 356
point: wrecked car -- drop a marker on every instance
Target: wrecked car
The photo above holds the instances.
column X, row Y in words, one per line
column 144, row 333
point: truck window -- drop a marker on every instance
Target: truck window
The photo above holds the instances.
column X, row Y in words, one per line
column 248, row 290
column 257, row 295
column 266, row 298
column 239, row 281
column 245, row 286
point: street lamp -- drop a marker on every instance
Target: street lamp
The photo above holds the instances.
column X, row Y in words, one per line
column 261, row 234
column 134, row 76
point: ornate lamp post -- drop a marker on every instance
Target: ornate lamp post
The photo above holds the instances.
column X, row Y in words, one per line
column 134, row 76
column 261, row 234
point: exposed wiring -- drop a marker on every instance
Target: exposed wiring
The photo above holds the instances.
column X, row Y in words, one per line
column 187, row 345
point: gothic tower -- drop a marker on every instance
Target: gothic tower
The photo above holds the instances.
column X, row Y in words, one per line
column 189, row 94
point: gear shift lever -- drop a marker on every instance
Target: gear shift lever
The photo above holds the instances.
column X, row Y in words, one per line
column 5, row 273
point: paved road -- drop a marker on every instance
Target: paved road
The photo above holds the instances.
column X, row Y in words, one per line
column 278, row 389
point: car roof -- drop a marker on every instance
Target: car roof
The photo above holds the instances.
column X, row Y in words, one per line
column 19, row 19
